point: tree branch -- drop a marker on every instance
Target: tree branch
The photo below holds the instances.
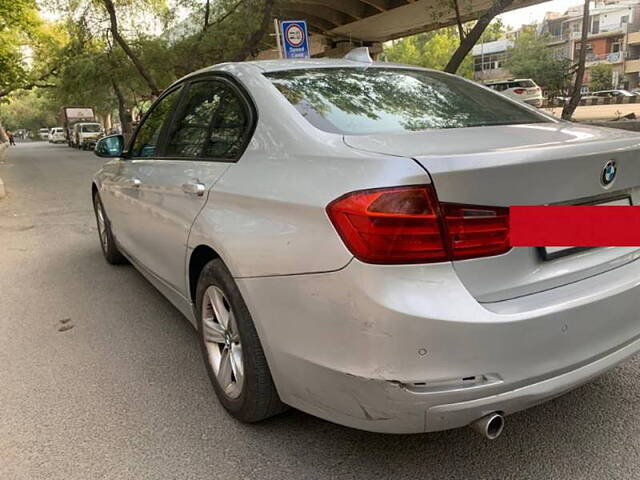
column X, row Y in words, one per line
column 461, row 30
column 207, row 10
column 144, row 73
column 253, row 42
column 474, row 35
column 39, row 82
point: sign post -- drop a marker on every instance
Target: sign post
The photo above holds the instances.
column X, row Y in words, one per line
column 276, row 25
column 295, row 40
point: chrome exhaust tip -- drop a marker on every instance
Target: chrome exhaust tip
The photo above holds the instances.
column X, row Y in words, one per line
column 490, row 426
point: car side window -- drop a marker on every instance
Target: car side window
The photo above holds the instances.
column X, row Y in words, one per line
column 212, row 123
column 148, row 135
column 227, row 135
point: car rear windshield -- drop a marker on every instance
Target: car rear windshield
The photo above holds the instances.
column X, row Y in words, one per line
column 355, row 101
column 91, row 128
column 525, row 83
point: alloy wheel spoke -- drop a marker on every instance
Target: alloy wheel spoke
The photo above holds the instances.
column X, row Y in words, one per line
column 213, row 331
column 220, row 310
column 233, row 328
column 224, row 371
column 236, row 362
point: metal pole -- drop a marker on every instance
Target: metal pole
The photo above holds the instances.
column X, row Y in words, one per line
column 276, row 25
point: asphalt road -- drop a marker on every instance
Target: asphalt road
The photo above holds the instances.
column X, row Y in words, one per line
column 123, row 394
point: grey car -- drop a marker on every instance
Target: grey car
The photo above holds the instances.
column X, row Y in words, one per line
column 337, row 232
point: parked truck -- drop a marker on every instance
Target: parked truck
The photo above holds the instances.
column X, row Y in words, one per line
column 69, row 116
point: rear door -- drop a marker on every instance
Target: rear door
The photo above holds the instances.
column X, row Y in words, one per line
column 207, row 131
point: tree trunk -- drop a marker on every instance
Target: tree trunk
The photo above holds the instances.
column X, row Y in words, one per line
column 474, row 35
column 144, row 73
column 574, row 101
column 207, row 10
column 123, row 114
column 255, row 38
column 3, row 135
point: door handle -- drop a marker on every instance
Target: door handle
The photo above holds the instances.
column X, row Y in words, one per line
column 132, row 182
column 195, row 188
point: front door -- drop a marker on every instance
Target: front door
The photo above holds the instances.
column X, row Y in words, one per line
column 170, row 176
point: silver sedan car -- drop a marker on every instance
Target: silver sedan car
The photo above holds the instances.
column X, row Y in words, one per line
column 338, row 233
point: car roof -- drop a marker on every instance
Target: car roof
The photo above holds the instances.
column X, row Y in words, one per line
column 267, row 66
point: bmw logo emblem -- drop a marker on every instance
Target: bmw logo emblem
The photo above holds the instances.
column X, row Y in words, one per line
column 608, row 173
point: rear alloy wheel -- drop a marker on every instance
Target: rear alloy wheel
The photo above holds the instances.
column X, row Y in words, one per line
column 109, row 248
column 232, row 352
column 223, row 343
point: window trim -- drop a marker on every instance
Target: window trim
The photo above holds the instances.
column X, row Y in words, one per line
column 127, row 154
column 243, row 95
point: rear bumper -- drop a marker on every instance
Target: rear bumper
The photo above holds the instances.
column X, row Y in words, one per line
column 536, row 102
column 407, row 349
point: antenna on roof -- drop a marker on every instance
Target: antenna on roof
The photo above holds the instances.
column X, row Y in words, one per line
column 360, row 54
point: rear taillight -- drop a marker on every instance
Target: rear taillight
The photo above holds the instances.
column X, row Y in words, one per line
column 408, row 225
column 520, row 91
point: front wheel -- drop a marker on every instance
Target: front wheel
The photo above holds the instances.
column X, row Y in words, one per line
column 109, row 248
column 233, row 355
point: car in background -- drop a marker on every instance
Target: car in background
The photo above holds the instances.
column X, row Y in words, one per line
column 85, row 135
column 524, row 90
column 609, row 94
column 43, row 133
column 57, row 135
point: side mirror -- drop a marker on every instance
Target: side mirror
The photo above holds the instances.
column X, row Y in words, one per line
column 111, row 146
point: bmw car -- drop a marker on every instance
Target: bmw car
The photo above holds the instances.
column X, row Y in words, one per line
column 337, row 231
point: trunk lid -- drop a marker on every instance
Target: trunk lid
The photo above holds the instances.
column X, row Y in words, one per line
column 534, row 164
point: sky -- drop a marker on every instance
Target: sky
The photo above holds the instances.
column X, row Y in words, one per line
column 535, row 13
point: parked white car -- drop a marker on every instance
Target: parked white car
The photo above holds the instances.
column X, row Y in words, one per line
column 524, row 90
column 338, row 233
column 43, row 133
column 57, row 135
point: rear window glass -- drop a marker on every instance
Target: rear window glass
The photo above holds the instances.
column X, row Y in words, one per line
column 525, row 83
column 355, row 101
column 91, row 128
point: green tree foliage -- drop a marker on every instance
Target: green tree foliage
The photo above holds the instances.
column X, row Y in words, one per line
column 434, row 49
column 80, row 58
column 530, row 57
column 495, row 31
column 32, row 110
column 28, row 47
column 429, row 50
column 601, row 77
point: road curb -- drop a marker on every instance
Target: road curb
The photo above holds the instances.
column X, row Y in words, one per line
column 3, row 147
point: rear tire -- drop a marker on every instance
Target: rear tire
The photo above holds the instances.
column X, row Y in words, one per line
column 232, row 352
column 109, row 248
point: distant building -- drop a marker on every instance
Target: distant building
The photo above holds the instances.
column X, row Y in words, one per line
column 614, row 39
column 489, row 59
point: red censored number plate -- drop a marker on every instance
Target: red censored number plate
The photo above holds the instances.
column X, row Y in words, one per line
column 562, row 228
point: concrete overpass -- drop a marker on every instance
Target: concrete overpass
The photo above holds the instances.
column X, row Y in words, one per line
column 370, row 22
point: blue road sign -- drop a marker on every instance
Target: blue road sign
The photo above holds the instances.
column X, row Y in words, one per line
column 295, row 40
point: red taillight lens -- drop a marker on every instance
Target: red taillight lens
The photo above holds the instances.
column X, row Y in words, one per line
column 520, row 91
column 474, row 231
column 408, row 225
